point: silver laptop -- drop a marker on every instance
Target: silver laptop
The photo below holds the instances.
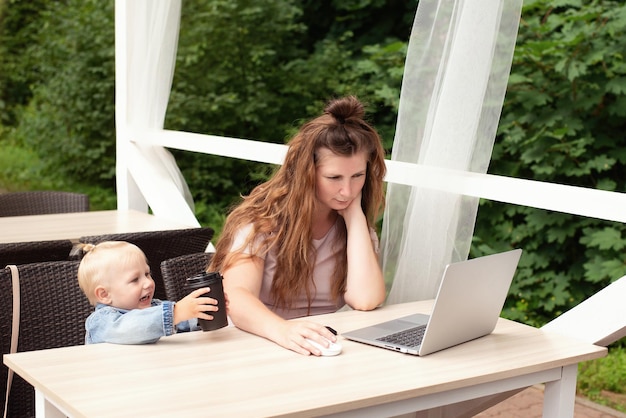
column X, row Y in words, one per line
column 468, row 304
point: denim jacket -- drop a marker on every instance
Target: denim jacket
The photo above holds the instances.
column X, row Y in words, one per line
column 108, row 324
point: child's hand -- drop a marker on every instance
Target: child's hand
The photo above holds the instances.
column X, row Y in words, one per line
column 194, row 306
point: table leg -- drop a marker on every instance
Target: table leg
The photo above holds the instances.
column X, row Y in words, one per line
column 560, row 395
column 44, row 408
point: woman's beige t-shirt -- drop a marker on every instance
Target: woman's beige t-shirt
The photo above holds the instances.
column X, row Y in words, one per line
column 321, row 301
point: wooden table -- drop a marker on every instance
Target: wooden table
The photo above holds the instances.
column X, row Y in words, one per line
column 230, row 373
column 75, row 225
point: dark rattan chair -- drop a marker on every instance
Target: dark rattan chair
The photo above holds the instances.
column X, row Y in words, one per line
column 42, row 203
column 52, row 314
column 176, row 270
column 159, row 246
column 34, row 252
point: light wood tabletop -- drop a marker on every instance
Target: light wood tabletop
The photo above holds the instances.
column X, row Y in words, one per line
column 231, row 373
column 75, row 225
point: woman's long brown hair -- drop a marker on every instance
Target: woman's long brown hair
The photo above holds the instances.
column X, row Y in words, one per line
column 281, row 209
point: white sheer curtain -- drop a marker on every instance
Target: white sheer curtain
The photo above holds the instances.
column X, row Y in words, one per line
column 145, row 61
column 455, row 78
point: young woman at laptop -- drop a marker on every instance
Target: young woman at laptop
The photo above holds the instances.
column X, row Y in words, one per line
column 303, row 242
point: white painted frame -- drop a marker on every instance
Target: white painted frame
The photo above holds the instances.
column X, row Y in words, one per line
column 537, row 194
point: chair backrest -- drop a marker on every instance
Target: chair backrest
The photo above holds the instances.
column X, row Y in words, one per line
column 159, row 246
column 53, row 310
column 176, row 270
column 42, row 203
column 34, row 252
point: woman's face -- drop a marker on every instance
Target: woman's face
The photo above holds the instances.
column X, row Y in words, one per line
column 339, row 179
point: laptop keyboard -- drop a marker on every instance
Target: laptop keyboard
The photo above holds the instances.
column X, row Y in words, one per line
column 411, row 337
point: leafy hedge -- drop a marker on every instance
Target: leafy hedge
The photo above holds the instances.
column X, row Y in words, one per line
column 563, row 122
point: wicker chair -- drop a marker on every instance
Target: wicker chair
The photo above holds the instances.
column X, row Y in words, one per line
column 159, row 246
column 34, row 252
column 42, row 202
column 176, row 270
column 52, row 314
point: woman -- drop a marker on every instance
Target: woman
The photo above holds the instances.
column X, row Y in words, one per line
column 303, row 242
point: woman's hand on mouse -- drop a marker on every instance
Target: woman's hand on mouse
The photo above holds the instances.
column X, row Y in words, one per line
column 296, row 333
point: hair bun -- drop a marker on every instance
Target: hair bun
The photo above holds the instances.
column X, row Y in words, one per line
column 345, row 108
column 78, row 250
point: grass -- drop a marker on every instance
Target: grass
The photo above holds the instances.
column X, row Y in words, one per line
column 603, row 380
column 21, row 170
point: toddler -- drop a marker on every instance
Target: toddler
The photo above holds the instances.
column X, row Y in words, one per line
column 115, row 277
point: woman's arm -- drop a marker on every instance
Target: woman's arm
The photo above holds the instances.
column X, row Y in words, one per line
column 365, row 287
column 242, row 283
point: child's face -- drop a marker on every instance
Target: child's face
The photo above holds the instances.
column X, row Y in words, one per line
column 130, row 285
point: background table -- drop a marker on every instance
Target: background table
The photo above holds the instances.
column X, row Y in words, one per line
column 75, row 225
column 232, row 373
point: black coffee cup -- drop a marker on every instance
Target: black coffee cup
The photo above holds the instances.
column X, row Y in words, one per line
column 212, row 280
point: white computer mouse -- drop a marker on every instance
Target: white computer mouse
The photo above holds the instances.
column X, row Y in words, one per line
column 332, row 350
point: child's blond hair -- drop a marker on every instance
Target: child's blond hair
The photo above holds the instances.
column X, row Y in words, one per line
column 94, row 268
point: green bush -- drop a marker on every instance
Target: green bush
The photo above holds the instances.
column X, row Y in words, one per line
column 69, row 120
column 604, row 374
column 563, row 122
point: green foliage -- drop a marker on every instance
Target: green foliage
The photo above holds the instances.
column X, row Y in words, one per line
column 228, row 79
column 21, row 169
column 229, row 67
column 265, row 76
column 562, row 122
column 69, row 121
column 267, row 73
column 604, row 374
column 18, row 166
column 18, row 29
